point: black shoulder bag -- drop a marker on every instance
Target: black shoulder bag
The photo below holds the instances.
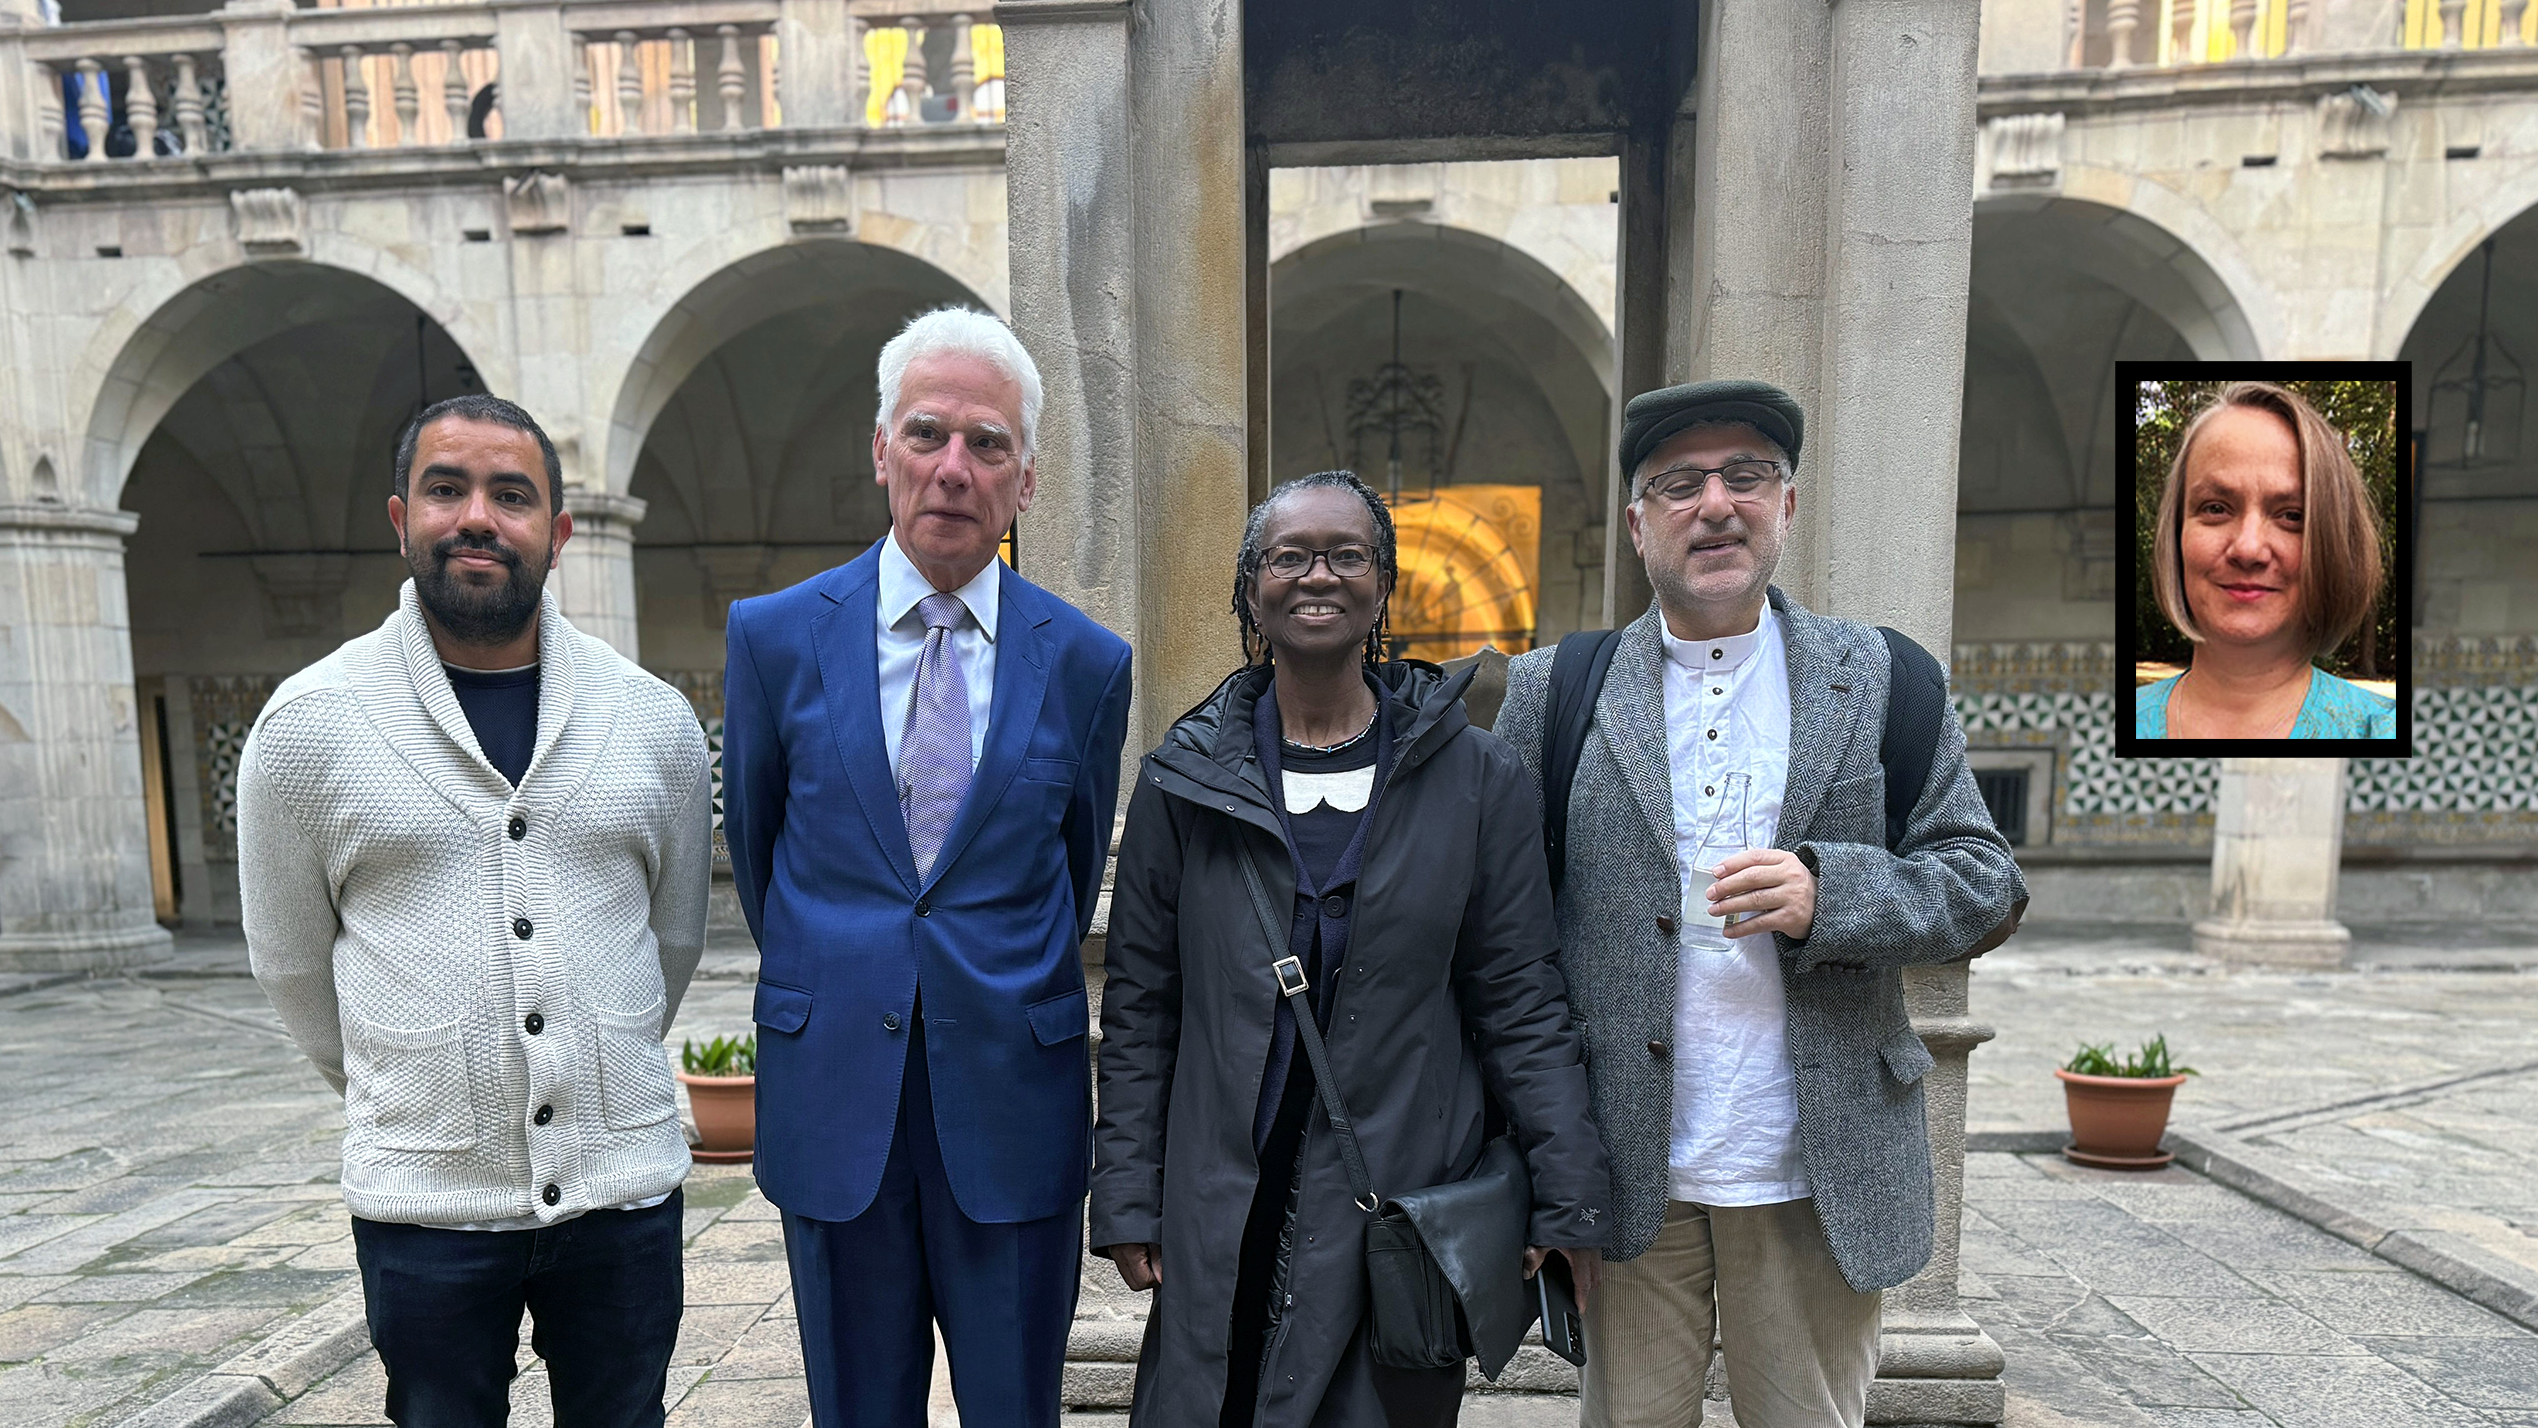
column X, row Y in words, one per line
column 1444, row 1265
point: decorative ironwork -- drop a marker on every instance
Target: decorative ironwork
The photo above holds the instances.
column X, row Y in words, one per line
column 1394, row 401
column 2478, row 394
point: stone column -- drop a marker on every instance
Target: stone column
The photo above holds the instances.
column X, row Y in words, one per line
column 266, row 77
column 537, row 74
column 595, row 576
column 74, row 838
column 2278, row 842
column 816, row 80
column 1835, row 162
column 1124, row 171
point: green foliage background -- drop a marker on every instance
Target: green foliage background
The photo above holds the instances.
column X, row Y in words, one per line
column 2366, row 412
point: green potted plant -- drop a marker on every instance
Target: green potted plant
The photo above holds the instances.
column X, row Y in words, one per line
column 2119, row 1109
column 721, row 1077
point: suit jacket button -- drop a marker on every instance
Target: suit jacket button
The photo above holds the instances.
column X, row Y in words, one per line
column 924, row 909
column 889, row 1021
column 1657, row 1048
column 1666, row 926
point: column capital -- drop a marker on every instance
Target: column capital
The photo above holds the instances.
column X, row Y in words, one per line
column 1029, row 12
column 612, row 511
column 68, row 520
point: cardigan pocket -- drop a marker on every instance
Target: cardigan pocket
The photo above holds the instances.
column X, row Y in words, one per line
column 414, row 1092
column 634, row 1073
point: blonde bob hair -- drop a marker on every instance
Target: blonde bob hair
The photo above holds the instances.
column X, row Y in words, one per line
column 2339, row 529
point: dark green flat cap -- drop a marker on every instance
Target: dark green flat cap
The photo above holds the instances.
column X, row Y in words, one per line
column 1651, row 417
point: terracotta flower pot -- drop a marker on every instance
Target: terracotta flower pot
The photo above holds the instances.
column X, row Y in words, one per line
column 726, row 1110
column 2116, row 1121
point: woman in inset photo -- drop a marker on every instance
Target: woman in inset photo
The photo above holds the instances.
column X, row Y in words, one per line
column 2268, row 557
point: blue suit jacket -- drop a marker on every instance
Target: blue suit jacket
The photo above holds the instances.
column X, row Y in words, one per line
column 848, row 936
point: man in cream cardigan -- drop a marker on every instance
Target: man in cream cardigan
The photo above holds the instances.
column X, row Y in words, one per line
column 473, row 848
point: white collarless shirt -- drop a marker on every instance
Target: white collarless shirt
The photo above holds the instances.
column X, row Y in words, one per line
column 900, row 640
column 1735, row 1132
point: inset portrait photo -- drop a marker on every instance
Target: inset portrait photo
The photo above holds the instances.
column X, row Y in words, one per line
column 2263, row 589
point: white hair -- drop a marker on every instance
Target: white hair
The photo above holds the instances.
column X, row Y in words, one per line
column 961, row 332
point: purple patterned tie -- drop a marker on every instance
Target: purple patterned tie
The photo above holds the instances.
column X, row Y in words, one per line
column 934, row 766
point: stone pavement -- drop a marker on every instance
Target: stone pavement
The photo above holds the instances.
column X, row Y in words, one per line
column 172, row 1246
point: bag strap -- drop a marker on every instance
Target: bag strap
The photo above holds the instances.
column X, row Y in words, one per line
column 1916, row 701
column 1577, row 678
column 1291, row 984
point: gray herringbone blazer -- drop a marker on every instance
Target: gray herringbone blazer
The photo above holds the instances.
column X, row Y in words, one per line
column 1859, row 1064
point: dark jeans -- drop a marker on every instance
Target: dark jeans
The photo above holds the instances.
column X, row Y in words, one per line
column 603, row 1288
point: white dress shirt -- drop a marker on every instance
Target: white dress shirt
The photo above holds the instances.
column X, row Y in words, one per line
column 900, row 638
column 1735, row 1134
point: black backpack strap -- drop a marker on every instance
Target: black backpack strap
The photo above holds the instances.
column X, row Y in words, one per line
column 1916, row 701
column 1577, row 678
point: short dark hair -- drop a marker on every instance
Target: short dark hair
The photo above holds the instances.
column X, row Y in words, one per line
column 1247, row 564
column 479, row 406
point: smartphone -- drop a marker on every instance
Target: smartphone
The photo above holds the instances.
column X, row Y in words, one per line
column 1563, row 1330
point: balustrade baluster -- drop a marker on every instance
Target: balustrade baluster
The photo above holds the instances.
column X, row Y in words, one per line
column 2451, row 13
column 682, row 83
column 2512, row 11
column 2243, row 27
column 912, row 73
column 140, row 108
column 730, row 80
column 454, row 95
column 48, row 111
column 92, row 108
column 188, row 102
column 356, row 100
column 408, row 96
column 2122, row 18
column 2181, row 33
column 856, row 30
column 312, row 100
column 2295, row 25
column 581, row 84
column 629, row 85
column 964, row 71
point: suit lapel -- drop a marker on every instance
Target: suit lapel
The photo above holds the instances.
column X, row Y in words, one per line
column 1022, row 682
column 850, row 675
column 1820, row 715
column 1631, row 712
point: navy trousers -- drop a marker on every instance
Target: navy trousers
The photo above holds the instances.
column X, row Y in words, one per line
column 869, row 1291
column 604, row 1290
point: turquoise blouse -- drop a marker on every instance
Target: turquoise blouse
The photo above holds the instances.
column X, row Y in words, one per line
column 2335, row 709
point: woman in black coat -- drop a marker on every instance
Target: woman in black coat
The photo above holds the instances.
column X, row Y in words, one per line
column 1407, row 845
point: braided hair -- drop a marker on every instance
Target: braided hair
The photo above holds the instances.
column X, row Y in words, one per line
column 1247, row 565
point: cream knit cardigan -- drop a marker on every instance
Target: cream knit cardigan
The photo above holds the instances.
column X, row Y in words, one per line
column 386, row 894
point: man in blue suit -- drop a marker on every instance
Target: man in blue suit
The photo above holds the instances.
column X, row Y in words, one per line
column 920, row 763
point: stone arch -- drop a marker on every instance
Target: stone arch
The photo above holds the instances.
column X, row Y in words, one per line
column 737, row 295
column 2156, row 248
column 2442, row 254
column 168, row 336
column 1509, row 339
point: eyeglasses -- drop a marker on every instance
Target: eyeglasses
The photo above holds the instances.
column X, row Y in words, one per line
column 1683, row 485
column 1290, row 562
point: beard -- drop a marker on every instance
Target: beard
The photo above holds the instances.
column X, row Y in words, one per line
column 476, row 615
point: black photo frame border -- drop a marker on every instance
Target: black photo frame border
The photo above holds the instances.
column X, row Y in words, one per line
column 2128, row 377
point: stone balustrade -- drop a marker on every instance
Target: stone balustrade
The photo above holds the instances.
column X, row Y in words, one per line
column 2126, row 34
column 263, row 76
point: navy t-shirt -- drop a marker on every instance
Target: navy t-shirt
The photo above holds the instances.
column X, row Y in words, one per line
column 502, row 707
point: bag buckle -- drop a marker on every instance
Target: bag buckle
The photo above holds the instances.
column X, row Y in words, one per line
column 1287, row 967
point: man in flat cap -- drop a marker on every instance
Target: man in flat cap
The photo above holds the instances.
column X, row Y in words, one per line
column 1736, row 907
